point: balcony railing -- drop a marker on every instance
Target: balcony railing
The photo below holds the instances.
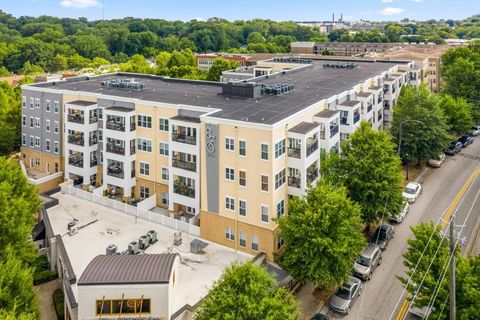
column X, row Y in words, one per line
column 356, row 118
column 77, row 140
column 312, row 147
column 115, row 126
column 295, row 152
column 92, row 141
column 183, row 138
column 386, row 105
column 76, row 161
column 76, row 119
column 322, row 134
column 312, row 175
column 369, row 108
column 93, row 120
column 333, row 131
column 115, row 172
column 112, row 148
column 295, row 182
column 379, row 100
column 184, row 190
column 93, row 162
column 182, row 164
column 344, row 120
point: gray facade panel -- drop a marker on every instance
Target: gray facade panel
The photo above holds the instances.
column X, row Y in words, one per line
column 212, row 158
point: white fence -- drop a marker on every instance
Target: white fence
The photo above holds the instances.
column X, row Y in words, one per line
column 131, row 210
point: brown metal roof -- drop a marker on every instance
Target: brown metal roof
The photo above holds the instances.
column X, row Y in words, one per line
column 128, row 269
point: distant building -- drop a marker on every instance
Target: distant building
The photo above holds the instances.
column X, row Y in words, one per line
column 205, row 61
column 342, row 48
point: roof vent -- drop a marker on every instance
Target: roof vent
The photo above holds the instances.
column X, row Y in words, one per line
column 111, row 249
column 177, row 238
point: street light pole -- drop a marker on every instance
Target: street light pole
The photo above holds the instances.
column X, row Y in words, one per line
column 452, row 271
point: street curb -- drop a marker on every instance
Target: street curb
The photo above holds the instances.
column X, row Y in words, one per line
column 473, row 239
column 420, row 176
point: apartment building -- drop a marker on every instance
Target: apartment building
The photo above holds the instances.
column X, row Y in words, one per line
column 205, row 61
column 224, row 156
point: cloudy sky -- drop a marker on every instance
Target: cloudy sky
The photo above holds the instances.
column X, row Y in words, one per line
column 298, row 10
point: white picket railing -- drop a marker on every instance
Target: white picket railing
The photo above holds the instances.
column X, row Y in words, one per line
column 133, row 211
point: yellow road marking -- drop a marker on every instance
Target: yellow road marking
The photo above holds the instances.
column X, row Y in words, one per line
column 443, row 223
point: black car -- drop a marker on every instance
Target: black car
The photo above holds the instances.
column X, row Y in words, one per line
column 382, row 235
column 320, row 316
column 466, row 140
column 453, row 148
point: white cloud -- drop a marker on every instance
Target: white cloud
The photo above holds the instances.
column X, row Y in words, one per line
column 79, row 3
column 387, row 1
column 390, row 11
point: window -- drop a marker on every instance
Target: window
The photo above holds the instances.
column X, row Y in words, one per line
column 255, row 243
column 144, row 145
column 229, row 144
column 139, row 306
column 144, row 168
column 47, row 105
column 37, row 103
column 279, row 179
column 55, row 127
column 24, row 102
column 37, row 161
column 37, row 141
column 144, row 192
column 229, row 203
column 47, row 125
column 229, row 233
column 279, row 148
column 100, row 113
column 144, row 121
column 48, row 167
column 264, row 213
column 264, row 151
column 31, row 103
column 243, row 239
column 163, row 148
column 165, row 198
column 56, row 106
column 56, row 167
column 230, row 174
column 280, row 242
column 165, row 174
column 24, row 120
column 264, row 183
column 242, row 178
column 280, row 208
column 47, row 145
column 163, row 124
column 242, row 147
column 100, row 135
column 31, row 141
column 32, row 122
column 37, row 122
column 242, row 207
column 24, row 139
column 56, row 150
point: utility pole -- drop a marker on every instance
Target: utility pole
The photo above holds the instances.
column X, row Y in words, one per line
column 452, row 271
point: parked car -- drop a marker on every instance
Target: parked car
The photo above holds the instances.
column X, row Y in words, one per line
column 345, row 296
column 398, row 218
column 367, row 262
column 475, row 130
column 412, row 191
column 437, row 161
column 453, row 148
column 320, row 316
column 466, row 140
column 382, row 235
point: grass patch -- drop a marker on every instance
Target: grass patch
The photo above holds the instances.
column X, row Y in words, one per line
column 58, row 303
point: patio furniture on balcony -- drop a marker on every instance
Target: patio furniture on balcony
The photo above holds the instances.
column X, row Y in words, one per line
column 115, row 126
column 182, row 189
column 183, row 138
column 295, row 152
column 76, row 139
column 112, row 148
column 76, row 161
column 115, row 171
column 295, row 182
column 76, row 118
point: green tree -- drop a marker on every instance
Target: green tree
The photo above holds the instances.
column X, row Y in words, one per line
column 375, row 181
column 321, row 236
column 98, row 62
column 10, row 119
column 424, row 128
column 255, row 37
column 30, row 69
column 218, row 66
column 247, row 291
column 137, row 64
column 4, row 72
column 77, row 62
column 58, row 63
column 458, row 113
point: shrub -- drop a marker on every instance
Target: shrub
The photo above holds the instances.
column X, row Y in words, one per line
column 44, row 276
column 58, row 302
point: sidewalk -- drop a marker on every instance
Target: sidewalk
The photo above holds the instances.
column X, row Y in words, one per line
column 45, row 300
column 309, row 303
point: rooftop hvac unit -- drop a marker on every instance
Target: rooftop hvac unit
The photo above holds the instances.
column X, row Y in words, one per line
column 133, row 247
column 152, row 234
column 111, row 249
column 196, row 246
column 73, row 230
column 71, row 224
column 177, row 238
column 144, row 242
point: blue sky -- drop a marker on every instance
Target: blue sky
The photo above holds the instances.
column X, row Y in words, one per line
column 298, row 10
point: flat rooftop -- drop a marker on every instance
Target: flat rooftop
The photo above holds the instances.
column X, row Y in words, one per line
column 311, row 84
column 197, row 272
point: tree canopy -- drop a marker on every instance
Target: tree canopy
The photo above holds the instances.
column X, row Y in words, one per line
column 458, row 113
column 218, row 66
column 247, row 291
column 321, row 236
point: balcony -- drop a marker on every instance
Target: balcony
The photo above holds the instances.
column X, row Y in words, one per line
column 115, row 126
column 294, row 152
column 369, row 108
column 92, row 141
column 312, row 175
column 344, row 120
column 184, row 190
column 76, row 140
column 295, row 182
column 386, row 105
column 322, row 134
column 312, row 147
column 112, row 148
column 93, row 162
column 183, row 138
column 115, row 172
column 356, row 118
column 76, row 161
column 76, row 118
column 93, row 120
column 182, row 164
column 333, row 130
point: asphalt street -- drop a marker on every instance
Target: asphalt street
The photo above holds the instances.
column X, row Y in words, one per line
column 382, row 297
